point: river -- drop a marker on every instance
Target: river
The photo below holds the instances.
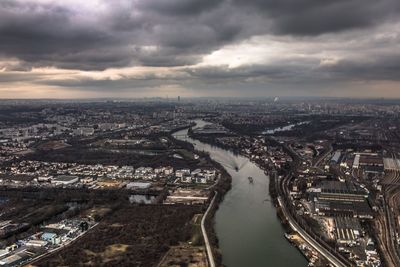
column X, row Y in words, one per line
column 249, row 232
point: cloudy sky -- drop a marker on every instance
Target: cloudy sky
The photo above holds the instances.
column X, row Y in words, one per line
column 139, row 48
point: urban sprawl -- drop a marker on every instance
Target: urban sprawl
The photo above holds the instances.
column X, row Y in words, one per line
column 123, row 183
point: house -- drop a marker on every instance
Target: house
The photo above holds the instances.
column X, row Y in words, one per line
column 182, row 172
column 87, row 180
column 168, row 170
column 186, row 179
column 158, row 170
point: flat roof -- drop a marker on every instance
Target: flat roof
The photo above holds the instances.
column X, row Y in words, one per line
column 66, row 178
column 347, row 228
column 139, row 184
column 336, row 156
column 338, row 187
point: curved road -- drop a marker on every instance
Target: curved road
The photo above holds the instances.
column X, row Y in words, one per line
column 210, row 255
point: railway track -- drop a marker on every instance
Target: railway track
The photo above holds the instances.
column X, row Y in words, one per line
column 388, row 222
column 322, row 247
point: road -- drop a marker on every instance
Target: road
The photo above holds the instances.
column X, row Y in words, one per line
column 323, row 156
column 328, row 255
column 63, row 246
column 210, row 255
column 388, row 224
column 283, row 190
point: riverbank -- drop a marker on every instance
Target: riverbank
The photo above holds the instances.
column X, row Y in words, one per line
column 310, row 255
column 245, row 223
column 222, row 186
column 273, row 174
column 268, row 170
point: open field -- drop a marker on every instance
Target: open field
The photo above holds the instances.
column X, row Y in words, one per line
column 130, row 236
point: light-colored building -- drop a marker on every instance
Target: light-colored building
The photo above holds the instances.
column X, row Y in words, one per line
column 65, row 180
column 36, row 243
column 138, row 185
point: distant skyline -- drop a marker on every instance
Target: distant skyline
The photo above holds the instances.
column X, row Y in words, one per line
column 199, row 48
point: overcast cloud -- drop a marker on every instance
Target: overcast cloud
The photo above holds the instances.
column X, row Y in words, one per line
column 199, row 48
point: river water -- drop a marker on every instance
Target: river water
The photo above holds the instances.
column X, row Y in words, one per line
column 249, row 232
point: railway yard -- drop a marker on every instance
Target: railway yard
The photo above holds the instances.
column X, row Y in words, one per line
column 388, row 218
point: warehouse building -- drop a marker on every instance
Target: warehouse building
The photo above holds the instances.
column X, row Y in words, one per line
column 335, row 158
column 138, row 185
column 333, row 198
column 338, row 191
column 347, row 230
column 369, row 163
column 65, row 180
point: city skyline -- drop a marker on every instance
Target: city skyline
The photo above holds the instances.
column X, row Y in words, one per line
column 193, row 48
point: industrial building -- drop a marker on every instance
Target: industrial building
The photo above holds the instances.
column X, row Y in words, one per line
column 51, row 238
column 334, row 198
column 347, row 230
column 339, row 191
column 369, row 163
column 65, row 180
column 138, row 185
column 336, row 156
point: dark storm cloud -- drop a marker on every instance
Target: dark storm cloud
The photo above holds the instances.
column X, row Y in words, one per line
column 180, row 32
column 6, row 77
column 381, row 67
column 163, row 56
column 45, row 35
column 312, row 17
column 107, row 84
column 55, row 35
column 377, row 66
column 213, row 74
column 178, row 7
